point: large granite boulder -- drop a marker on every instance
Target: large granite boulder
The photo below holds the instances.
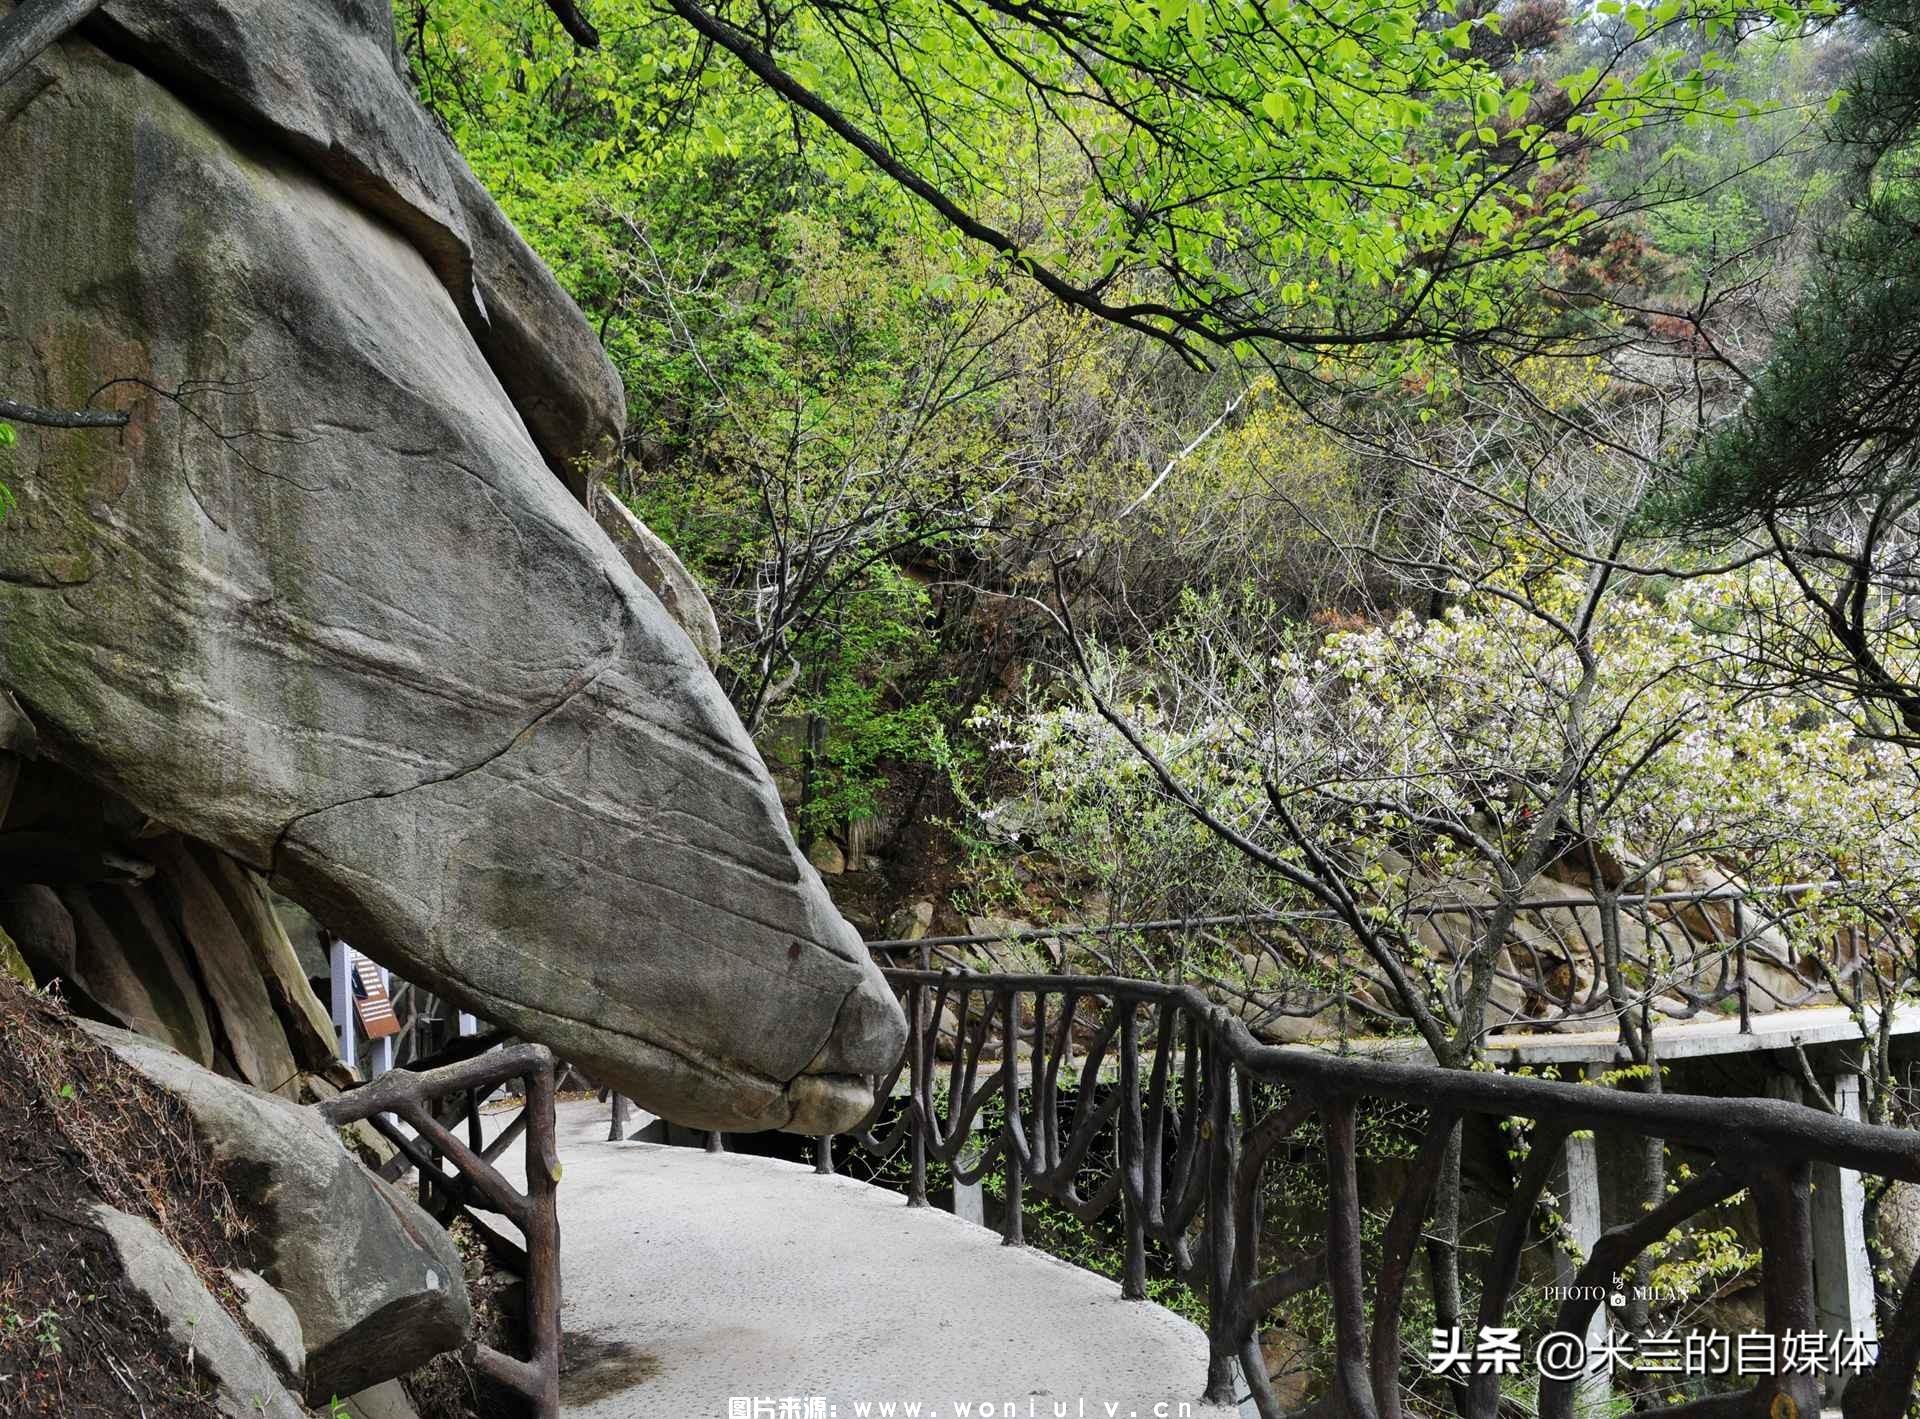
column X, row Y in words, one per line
column 375, row 1283
column 337, row 618
column 325, row 80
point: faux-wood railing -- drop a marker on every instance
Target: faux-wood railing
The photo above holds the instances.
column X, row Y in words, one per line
column 410, row 1096
column 1195, row 1108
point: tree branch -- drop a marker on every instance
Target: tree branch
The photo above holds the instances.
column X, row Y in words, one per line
column 59, row 418
column 575, row 23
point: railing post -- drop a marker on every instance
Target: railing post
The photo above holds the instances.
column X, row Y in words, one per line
column 1578, row 1185
column 1132, row 1162
column 543, row 1240
column 919, row 1089
column 1782, row 1201
column 1222, row 1305
column 1013, row 1229
column 1842, row 1270
column 1353, row 1383
column 617, row 1116
column 1740, row 961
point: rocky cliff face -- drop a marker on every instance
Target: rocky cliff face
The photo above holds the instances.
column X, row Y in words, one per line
column 331, row 606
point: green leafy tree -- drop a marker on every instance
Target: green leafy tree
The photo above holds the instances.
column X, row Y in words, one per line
column 1320, row 179
column 1819, row 462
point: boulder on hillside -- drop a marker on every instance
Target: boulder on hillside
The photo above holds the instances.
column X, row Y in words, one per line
column 376, row 1283
column 378, row 653
column 42, row 928
column 131, row 969
column 245, row 1385
column 270, row 1314
column 654, row 562
column 383, row 1401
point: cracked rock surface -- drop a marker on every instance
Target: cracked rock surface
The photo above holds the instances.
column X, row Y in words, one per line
column 331, row 611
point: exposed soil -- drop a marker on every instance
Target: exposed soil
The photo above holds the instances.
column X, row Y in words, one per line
column 76, row 1127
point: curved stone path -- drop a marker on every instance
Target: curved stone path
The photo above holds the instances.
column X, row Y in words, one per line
column 695, row 1282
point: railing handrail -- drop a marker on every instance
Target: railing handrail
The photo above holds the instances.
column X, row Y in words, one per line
column 1768, row 1129
column 1192, row 1131
column 408, row 1095
column 397, row 1089
column 1708, row 968
column 1427, row 909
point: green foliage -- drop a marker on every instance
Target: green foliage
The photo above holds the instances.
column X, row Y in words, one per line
column 1308, row 178
column 43, row 1329
column 813, row 396
column 8, row 438
column 881, row 703
column 1722, row 195
column 1836, row 411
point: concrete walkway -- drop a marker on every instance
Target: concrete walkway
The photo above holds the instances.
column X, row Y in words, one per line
column 696, row 1284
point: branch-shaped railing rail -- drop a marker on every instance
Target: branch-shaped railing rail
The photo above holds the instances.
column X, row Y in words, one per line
column 1552, row 962
column 1196, row 1109
column 476, row 1184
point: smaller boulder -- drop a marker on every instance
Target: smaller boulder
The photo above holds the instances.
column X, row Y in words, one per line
column 911, row 922
column 269, row 1313
column 245, row 1386
column 666, row 576
column 376, row 1283
column 383, row 1401
column 40, row 926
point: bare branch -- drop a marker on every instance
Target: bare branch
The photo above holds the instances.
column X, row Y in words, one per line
column 62, row 418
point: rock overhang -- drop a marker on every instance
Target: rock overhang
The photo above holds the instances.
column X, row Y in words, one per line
column 385, row 655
